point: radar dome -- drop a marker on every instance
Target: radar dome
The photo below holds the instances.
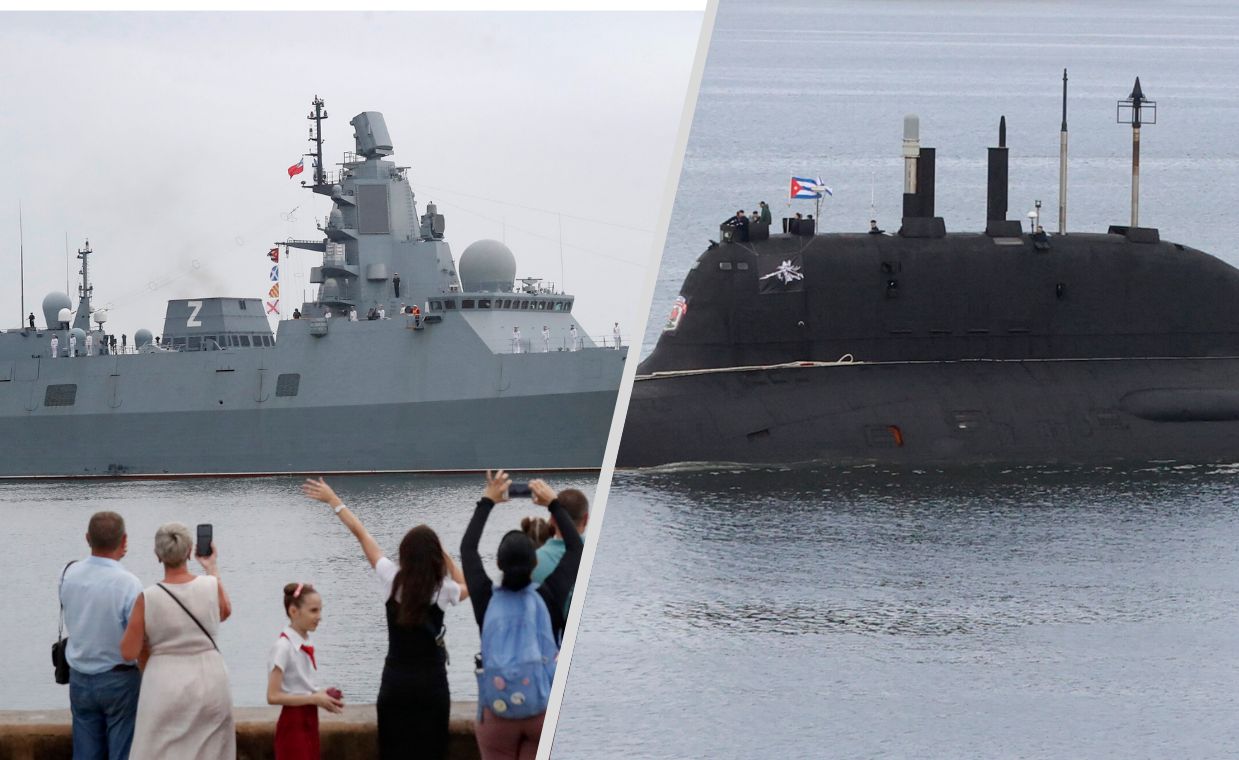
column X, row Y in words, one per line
column 100, row 316
column 329, row 290
column 52, row 304
column 487, row 266
column 142, row 337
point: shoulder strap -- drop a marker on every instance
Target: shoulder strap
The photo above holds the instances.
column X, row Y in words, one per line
column 191, row 615
column 60, row 625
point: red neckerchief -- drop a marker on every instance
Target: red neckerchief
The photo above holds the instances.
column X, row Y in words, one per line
column 304, row 648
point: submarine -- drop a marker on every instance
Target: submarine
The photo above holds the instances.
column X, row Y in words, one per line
column 928, row 347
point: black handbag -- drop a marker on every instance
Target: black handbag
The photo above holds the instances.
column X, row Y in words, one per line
column 59, row 660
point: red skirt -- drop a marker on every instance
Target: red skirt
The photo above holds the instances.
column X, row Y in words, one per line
column 296, row 733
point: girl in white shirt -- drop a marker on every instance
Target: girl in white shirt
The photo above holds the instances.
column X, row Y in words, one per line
column 292, row 679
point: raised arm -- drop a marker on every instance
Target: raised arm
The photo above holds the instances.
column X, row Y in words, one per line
column 558, row 585
column 453, row 572
column 210, row 563
column 476, row 580
column 320, row 491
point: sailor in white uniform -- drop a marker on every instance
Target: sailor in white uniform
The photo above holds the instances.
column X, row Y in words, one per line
column 615, row 331
column 576, row 341
column 90, row 344
column 72, row 345
column 546, row 338
column 55, row 347
column 516, row 340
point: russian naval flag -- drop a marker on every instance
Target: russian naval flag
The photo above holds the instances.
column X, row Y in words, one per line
column 808, row 187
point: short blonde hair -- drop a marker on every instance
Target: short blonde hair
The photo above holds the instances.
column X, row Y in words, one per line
column 173, row 543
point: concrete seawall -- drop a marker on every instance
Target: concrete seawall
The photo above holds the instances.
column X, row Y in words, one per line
column 47, row 734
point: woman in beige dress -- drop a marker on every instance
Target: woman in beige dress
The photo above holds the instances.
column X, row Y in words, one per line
column 185, row 708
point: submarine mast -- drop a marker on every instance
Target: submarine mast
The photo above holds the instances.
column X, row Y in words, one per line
column 1062, row 164
column 1136, row 111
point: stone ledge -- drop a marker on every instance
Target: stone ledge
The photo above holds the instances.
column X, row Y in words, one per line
column 47, row 734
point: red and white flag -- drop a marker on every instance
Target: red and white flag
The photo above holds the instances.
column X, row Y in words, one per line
column 274, row 254
column 296, row 168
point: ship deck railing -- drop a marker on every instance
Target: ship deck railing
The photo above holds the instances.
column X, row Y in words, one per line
column 537, row 345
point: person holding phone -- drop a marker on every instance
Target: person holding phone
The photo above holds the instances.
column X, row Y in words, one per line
column 414, row 703
column 530, row 616
column 557, row 587
column 185, row 707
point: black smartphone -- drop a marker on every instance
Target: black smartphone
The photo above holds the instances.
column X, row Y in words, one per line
column 205, row 533
column 519, row 491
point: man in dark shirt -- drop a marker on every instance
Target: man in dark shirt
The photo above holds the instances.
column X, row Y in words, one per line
column 395, row 283
column 741, row 224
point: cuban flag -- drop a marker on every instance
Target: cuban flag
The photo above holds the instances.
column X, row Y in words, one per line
column 296, row 168
column 808, row 187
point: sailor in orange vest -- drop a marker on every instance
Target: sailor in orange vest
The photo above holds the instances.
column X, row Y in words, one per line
column 417, row 316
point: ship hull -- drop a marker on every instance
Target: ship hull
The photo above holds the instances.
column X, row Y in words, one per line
column 512, row 433
column 377, row 397
column 940, row 413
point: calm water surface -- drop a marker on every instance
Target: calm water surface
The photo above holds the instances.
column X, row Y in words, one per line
column 866, row 613
column 267, row 535
column 869, row 613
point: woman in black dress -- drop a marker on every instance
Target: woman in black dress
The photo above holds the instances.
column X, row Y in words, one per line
column 413, row 704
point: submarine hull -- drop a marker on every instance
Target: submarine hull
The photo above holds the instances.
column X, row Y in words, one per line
column 940, row 413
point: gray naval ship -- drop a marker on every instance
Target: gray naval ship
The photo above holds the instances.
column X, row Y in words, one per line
column 488, row 373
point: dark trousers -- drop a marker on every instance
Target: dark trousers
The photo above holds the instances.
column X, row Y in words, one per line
column 413, row 709
column 104, row 707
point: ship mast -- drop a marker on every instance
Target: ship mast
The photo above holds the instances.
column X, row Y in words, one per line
column 316, row 138
column 85, row 290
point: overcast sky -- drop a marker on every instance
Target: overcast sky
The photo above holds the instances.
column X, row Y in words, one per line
column 165, row 139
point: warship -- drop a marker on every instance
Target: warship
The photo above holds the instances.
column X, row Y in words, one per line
column 467, row 368
column 924, row 347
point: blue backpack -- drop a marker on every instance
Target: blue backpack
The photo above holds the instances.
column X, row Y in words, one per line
column 518, row 655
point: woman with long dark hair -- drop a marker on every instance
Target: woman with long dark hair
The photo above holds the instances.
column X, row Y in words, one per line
column 414, row 703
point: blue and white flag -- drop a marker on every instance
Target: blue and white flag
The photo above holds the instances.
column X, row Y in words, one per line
column 808, row 187
column 275, row 273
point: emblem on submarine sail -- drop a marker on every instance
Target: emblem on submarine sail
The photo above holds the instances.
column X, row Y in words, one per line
column 781, row 274
column 678, row 310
